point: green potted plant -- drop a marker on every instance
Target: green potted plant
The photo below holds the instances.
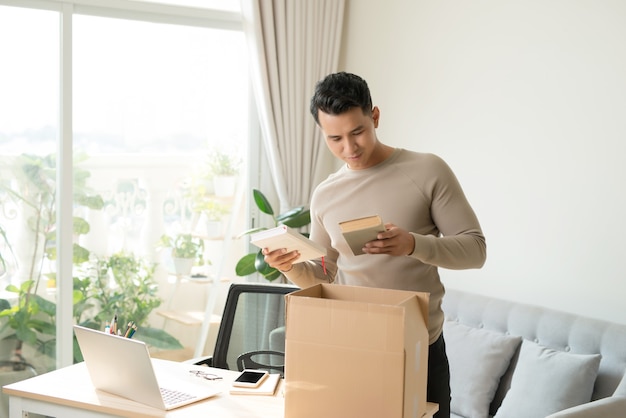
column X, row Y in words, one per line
column 122, row 284
column 213, row 212
column 254, row 262
column 208, row 210
column 224, row 167
column 186, row 251
column 205, row 205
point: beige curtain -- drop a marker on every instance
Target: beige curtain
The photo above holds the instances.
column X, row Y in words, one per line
column 292, row 44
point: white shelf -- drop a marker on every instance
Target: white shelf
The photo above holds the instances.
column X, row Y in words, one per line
column 189, row 318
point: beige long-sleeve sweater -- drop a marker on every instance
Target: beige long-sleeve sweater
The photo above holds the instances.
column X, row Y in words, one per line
column 417, row 192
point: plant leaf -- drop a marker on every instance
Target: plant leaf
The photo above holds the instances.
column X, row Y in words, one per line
column 262, row 203
column 26, row 334
column 260, row 264
column 289, row 214
column 245, row 266
column 12, row 288
column 44, row 326
column 25, row 287
column 80, row 254
column 78, row 355
column 299, row 220
column 45, row 305
column 273, row 275
column 80, row 226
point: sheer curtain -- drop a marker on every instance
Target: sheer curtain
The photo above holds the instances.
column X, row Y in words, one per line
column 292, row 44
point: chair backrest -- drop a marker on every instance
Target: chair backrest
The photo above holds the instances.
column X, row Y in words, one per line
column 252, row 327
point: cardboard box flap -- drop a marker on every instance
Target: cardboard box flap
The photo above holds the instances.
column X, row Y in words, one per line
column 361, row 294
column 372, row 327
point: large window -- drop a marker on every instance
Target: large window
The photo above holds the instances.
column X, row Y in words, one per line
column 153, row 103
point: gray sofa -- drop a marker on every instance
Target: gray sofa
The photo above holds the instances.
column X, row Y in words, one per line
column 516, row 360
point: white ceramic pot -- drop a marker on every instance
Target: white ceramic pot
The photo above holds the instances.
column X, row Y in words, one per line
column 224, row 186
column 183, row 266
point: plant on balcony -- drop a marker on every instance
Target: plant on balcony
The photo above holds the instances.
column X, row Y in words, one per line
column 31, row 320
column 213, row 212
column 222, row 162
column 223, row 168
column 183, row 247
column 254, row 262
column 203, row 204
column 32, row 188
column 212, row 209
column 123, row 285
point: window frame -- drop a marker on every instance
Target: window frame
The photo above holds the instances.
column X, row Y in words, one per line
column 121, row 9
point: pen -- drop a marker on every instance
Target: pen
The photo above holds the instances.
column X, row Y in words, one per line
column 128, row 328
column 114, row 325
column 132, row 331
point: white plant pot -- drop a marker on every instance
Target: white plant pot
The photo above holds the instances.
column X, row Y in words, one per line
column 183, row 266
column 213, row 229
column 224, row 186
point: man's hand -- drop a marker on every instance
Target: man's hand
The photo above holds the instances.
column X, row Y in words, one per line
column 394, row 241
column 280, row 259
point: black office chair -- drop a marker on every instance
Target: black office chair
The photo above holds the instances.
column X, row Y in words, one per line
column 270, row 360
column 252, row 331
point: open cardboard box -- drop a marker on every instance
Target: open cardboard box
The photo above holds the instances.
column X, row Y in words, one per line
column 356, row 352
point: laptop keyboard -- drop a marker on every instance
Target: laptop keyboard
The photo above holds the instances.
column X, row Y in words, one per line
column 172, row 397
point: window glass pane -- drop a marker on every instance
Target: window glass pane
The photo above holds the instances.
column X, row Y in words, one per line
column 29, row 85
column 162, row 89
column 29, row 80
column 153, row 105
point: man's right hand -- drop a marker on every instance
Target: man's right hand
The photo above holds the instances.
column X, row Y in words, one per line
column 280, row 259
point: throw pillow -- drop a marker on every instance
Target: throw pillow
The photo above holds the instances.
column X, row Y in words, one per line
column 478, row 359
column 546, row 381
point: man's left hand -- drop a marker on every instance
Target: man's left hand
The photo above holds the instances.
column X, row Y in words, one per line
column 394, row 241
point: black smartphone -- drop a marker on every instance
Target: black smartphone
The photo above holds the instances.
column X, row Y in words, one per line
column 250, row 378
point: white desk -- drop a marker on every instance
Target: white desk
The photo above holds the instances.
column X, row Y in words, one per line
column 68, row 393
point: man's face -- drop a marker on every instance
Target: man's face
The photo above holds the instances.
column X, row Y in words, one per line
column 351, row 137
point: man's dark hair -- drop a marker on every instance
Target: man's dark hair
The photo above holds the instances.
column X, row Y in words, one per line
column 339, row 92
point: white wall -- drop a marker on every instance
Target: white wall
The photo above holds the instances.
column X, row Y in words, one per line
column 526, row 100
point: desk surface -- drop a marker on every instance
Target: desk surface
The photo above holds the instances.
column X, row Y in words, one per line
column 71, row 387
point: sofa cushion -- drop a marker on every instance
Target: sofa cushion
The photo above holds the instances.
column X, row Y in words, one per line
column 546, row 381
column 478, row 358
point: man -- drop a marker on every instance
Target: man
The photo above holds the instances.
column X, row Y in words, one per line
column 431, row 224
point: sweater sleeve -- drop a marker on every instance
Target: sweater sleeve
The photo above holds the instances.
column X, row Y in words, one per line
column 312, row 272
column 461, row 243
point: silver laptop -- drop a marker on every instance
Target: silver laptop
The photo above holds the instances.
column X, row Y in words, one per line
column 122, row 366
